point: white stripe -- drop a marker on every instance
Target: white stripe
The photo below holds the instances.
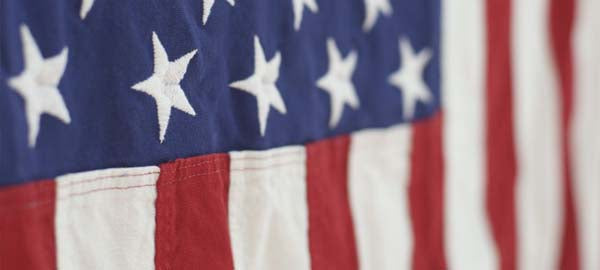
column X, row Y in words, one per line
column 268, row 216
column 536, row 105
column 586, row 131
column 378, row 185
column 105, row 219
column 469, row 244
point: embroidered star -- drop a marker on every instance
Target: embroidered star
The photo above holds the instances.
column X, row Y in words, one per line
column 409, row 77
column 338, row 82
column 38, row 85
column 164, row 85
column 298, row 6
column 372, row 10
column 207, row 7
column 262, row 84
column 86, row 5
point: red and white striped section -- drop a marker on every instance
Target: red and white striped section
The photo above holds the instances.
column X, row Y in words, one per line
column 585, row 131
column 520, row 138
column 343, row 203
column 505, row 176
column 372, row 200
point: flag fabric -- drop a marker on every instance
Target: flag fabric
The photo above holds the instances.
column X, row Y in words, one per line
column 300, row 134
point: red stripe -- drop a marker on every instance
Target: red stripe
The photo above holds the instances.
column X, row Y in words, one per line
column 561, row 26
column 331, row 233
column 27, row 226
column 426, row 194
column 501, row 162
column 192, row 230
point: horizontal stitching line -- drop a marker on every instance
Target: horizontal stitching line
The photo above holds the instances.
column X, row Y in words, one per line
column 276, row 165
column 193, row 175
column 91, row 180
column 71, row 195
column 296, row 153
column 139, row 174
column 137, row 186
column 41, row 203
column 203, row 162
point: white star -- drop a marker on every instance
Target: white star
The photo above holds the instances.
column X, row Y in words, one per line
column 164, row 85
column 207, row 7
column 38, row 84
column 372, row 10
column 338, row 82
column 298, row 6
column 409, row 77
column 262, row 84
column 86, row 5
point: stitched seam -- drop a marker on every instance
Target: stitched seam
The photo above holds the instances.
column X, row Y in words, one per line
column 197, row 174
column 275, row 165
column 146, row 185
column 77, row 194
column 277, row 155
column 37, row 204
column 90, row 180
column 70, row 195
column 203, row 162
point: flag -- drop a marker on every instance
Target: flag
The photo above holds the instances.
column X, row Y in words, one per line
column 299, row 134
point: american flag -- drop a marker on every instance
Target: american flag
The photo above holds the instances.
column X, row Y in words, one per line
column 300, row 134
